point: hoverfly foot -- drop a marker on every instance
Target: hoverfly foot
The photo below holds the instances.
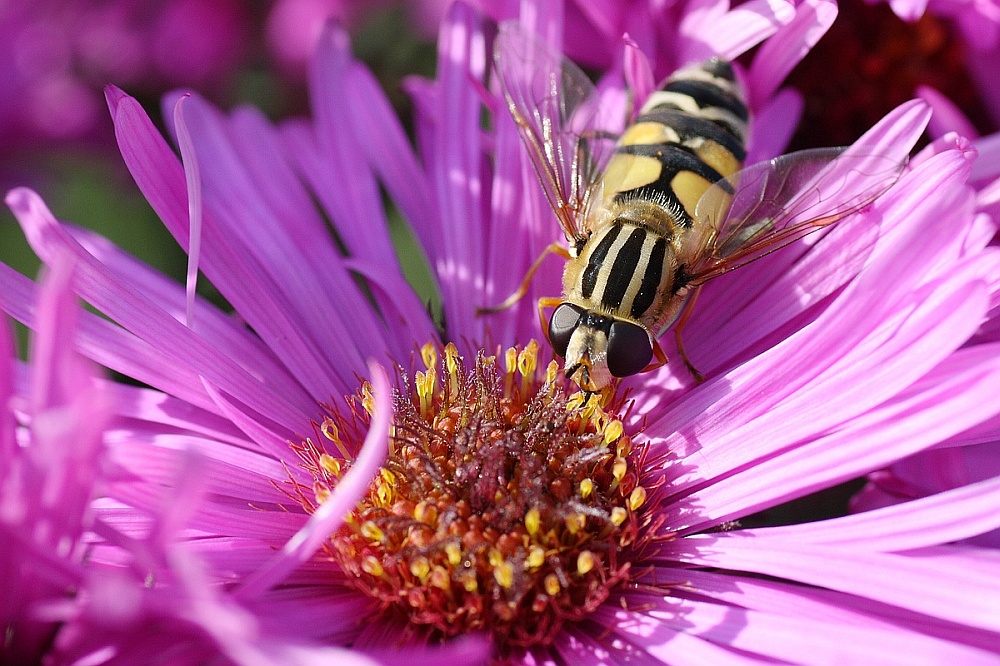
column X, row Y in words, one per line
column 698, row 377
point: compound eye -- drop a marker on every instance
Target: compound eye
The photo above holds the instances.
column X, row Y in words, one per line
column 562, row 325
column 629, row 349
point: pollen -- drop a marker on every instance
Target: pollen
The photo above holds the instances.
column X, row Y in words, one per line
column 510, row 503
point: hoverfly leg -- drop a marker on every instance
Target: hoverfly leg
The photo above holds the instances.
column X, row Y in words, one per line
column 679, row 328
column 548, row 302
column 660, row 358
column 698, row 377
column 510, row 301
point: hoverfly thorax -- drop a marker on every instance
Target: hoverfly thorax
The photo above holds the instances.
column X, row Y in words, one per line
column 651, row 216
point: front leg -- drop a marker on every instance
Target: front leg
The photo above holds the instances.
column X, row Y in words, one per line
column 510, row 301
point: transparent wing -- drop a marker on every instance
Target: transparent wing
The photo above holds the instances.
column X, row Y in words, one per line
column 555, row 107
column 767, row 206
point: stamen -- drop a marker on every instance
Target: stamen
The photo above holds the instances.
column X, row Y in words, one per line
column 507, row 505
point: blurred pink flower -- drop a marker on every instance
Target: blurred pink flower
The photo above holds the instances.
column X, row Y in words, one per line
column 56, row 56
column 293, row 27
column 977, row 24
column 978, row 20
column 51, row 452
column 824, row 361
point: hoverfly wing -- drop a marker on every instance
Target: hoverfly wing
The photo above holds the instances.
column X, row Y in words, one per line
column 771, row 204
column 554, row 106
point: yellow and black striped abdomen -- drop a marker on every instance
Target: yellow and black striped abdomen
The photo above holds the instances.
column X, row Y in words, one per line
column 688, row 135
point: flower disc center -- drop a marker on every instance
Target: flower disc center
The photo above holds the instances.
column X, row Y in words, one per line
column 506, row 505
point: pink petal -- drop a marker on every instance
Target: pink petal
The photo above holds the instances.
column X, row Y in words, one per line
column 774, row 125
column 881, row 436
column 947, row 117
column 795, row 639
column 717, row 29
column 941, row 590
column 942, row 518
column 121, row 301
column 329, row 515
column 778, row 55
column 639, row 632
column 835, row 608
column 459, row 179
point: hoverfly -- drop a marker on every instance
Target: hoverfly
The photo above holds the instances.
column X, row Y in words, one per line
column 653, row 214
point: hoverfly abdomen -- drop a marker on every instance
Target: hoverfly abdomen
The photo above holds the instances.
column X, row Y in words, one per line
column 708, row 90
column 689, row 135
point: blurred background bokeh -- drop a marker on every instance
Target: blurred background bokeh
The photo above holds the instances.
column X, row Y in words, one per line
column 56, row 56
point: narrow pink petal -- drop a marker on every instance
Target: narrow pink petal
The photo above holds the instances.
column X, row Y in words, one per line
column 717, row 29
column 319, row 612
column 391, row 155
column 368, row 336
column 300, row 275
column 121, row 301
column 799, row 640
column 947, row 117
column 399, row 306
column 923, row 585
column 55, row 378
column 232, row 265
column 942, row 518
column 259, row 428
column 988, row 165
column 883, row 435
column 774, row 125
column 193, row 178
column 778, row 55
column 949, row 141
column 460, row 177
column 159, row 411
column 108, row 344
column 665, row 642
column 638, row 73
column 329, row 516
column 834, row 608
column 353, row 200
column 229, row 336
column 245, row 476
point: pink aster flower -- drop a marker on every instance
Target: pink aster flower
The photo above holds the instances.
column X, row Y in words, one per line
column 557, row 529
column 46, row 485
